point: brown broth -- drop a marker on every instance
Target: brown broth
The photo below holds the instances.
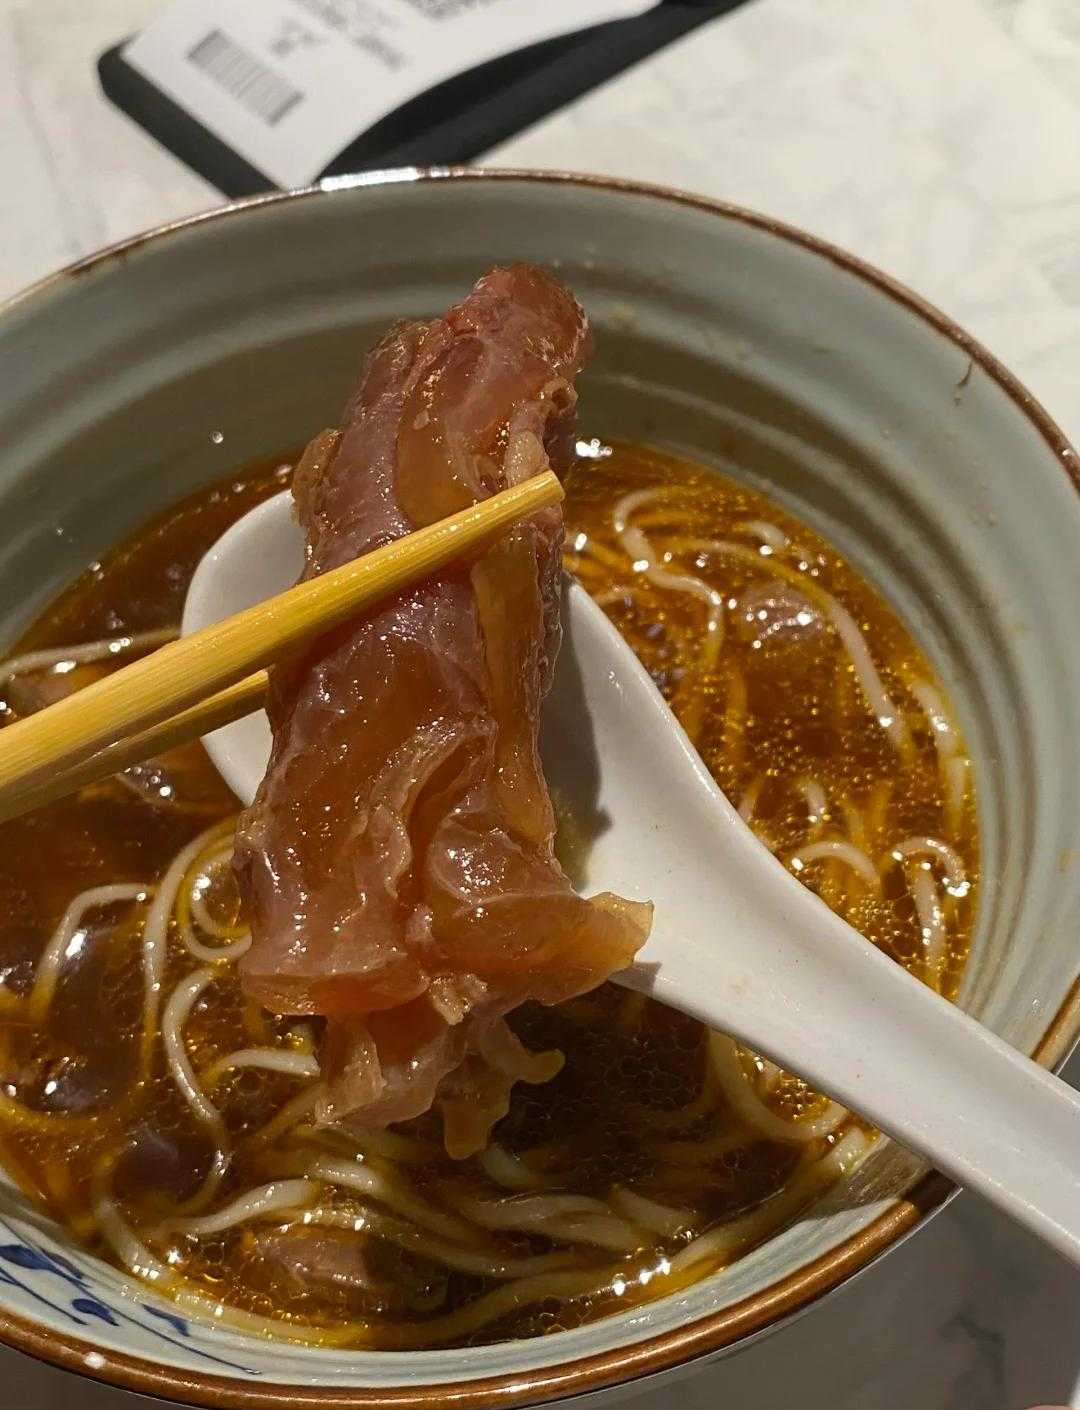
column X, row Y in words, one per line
column 85, row 1104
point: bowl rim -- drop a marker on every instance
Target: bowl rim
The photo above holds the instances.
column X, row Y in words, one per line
column 752, row 1315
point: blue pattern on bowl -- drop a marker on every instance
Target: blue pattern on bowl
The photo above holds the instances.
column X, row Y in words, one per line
column 74, row 1293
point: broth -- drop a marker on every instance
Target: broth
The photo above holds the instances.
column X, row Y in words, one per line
column 659, row 1153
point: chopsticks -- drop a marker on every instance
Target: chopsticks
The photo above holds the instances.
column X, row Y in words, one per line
column 216, row 710
column 205, row 680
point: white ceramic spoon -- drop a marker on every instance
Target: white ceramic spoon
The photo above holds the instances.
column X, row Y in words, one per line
column 737, row 940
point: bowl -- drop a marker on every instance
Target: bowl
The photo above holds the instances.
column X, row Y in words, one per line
column 155, row 366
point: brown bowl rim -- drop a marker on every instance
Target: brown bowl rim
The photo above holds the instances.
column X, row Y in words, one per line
column 717, row 1330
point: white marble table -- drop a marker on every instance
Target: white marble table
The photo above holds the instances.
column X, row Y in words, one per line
column 939, row 140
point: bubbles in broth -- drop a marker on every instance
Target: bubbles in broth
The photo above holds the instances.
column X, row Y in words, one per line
column 167, row 1121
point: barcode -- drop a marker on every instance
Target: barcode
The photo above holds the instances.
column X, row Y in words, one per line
column 247, row 78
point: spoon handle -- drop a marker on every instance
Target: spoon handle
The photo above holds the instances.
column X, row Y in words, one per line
column 810, row 993
column 741, row 944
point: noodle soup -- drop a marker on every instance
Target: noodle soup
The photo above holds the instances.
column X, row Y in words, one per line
column 173, row 1129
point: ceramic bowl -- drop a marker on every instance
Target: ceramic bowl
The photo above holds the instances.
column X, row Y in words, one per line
column 156, row 366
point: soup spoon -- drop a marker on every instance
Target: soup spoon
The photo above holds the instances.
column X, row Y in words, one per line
column 737, row 941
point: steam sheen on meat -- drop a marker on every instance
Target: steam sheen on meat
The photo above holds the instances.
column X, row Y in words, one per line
column 397, row 864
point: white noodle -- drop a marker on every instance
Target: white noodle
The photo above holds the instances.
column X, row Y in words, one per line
column 769, row 534
column 66, row 933
column 383, row 1226
column 201, row 884
column 888, row 716
column 181, row 1001
column 641, row 551
column 219, row 1167
column 127, row 1246
column 574, row 1218
column 649, row 1213
column 255, row 1204
column 156, row 930
column 752, row 1111
column 507, row 1170
column 950, row 859
column 220, row 952
column 391, row 1145
column 952, row 765
column 214, row 954
column 955, row 782
column 748, row 802
column 66, row 658
column 285, row 1060
column 629, row 504
column 946, row 740
column 817, row 803
column 935, row 936
column 606, row 1231
column 359, row 1176
column 732, row 1238
column 610, row 596
column 558, row 1287
column 527, row 1211
column 842, row 851
column 134, row 1254
column 769, row 1074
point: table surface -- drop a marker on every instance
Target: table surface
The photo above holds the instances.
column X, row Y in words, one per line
column 939, row 141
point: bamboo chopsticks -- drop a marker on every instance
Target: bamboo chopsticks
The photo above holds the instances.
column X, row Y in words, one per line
column 202, row 681
column 216, row 710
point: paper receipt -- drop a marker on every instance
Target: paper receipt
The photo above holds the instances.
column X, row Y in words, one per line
column 289, row 83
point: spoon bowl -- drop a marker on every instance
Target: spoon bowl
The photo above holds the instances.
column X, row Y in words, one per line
column 737, row 941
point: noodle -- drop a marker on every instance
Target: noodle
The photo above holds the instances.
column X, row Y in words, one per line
column 956, row 785
column 286, row 1119
column 645, row 559
column 62, row 944
column 843, row 851
column 156, row 929
column 949, row 856
column 452, row 1255
column 931, row 924
column 888, row 716
column 752, row 1111
column 769, row 1072
column 722, row 1244
column 567, row 1217
column 190, row 904
column 181, row 1002
column 366, row 1180
column 817, row 804
column 563, row 1287
column 61, row 659
column 256, row 1204
column 688, row 1147
column 649, row 1214
column 509, row 1170
column 768, row 533
column 271, row 1059
column 748, row 802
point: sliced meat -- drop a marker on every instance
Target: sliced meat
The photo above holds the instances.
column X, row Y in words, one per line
column 397, row 864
